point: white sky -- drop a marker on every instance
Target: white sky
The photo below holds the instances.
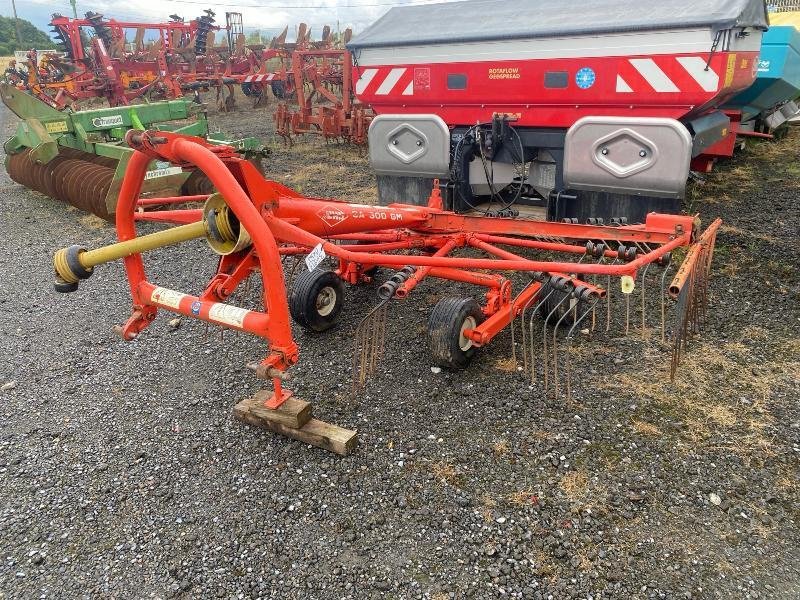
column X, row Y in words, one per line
column 256, row 14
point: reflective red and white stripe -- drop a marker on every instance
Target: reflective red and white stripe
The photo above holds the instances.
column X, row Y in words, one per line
column 667, row 74
column 259, row 78
column 383, row 82
column 661, row 74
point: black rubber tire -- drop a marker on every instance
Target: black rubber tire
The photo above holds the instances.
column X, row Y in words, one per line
column 445, row 324
column 307, row 289
column 552, row 302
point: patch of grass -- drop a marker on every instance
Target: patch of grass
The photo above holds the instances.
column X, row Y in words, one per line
column 521, row 498
column 646, row 429
column 501, row 448
column 446, row 473
column 575, row 485
column 507, row 365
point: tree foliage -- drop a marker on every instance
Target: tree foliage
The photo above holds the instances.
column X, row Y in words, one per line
column 31, row 37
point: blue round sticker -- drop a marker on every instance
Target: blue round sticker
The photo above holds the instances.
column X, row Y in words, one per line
column 196, row 307
column 585, row 78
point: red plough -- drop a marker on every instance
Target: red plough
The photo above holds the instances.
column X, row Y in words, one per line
column 573, row 271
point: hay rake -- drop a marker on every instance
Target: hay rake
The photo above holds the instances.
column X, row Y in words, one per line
column 254, row 224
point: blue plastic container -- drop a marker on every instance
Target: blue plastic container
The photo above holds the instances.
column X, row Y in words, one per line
column 778, row 78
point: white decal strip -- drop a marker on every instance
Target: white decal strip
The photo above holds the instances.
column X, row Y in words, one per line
column 702, row 74
column 622, row 86
column 391, row 80
column 166, row 297
column 657, row 79
column 227, row 314
column 409, row 91
column 364, row 80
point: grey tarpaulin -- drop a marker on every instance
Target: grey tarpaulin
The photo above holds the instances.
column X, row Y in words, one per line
column 485, row 20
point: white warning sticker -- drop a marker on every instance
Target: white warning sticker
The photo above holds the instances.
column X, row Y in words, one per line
column 167, row 297
column 227, row 314
column 315, row 257
column 162, row 172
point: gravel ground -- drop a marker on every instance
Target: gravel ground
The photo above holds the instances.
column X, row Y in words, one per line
column 123, row 475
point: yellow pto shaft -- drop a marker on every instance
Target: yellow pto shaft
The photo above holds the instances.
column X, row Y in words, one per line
column 75, row 263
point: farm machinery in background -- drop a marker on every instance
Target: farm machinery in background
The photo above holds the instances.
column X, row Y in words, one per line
column 80, row 157
column 124, row 61
column 596, row 113
column 572, row 278
column 322, row 79
column 168, row 60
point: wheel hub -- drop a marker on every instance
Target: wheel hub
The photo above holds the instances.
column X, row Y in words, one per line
column 326, row 300
column 464, row 342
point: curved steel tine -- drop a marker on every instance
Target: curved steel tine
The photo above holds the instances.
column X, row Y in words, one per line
column 512, row 322
column 530, row 332
column 369, row 338
column 522, row 329
column 568, row 349
column 680, row 327
column 664, row 299
column 608, row 296
column 646, row 249
column 555, row 352
column 544, row 339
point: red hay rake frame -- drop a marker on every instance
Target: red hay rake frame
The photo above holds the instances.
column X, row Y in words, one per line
column 282, row 222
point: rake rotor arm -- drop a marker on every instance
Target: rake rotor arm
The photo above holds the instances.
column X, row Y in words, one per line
column 290, row 233
column 690, row 262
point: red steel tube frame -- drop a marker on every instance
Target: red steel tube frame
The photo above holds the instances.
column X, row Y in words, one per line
column 275, row 326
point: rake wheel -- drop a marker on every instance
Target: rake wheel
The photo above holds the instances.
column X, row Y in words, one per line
column 555, row 302
column 449, row 319
column 316, row 299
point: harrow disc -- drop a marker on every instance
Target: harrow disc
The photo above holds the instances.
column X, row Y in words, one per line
column 81, row 183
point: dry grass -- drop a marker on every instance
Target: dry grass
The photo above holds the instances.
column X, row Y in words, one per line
column 521, row 498
column 722, row 401
column 575, row 485
column 501, row 448
column 543, row 565
column 748, row 233
column 644, row 428
column 507, row 365
column 446, row 473
column 488, row 504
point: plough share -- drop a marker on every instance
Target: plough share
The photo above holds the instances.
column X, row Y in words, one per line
column 573, row 271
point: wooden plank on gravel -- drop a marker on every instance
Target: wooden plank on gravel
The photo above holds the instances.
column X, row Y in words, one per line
column 315, row 432
column 292, row 413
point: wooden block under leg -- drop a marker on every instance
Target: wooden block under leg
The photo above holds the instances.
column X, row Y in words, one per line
column 315, row 432
column 292, row 413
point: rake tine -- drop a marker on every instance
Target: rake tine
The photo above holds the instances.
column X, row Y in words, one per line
column 644, row 248
column 609, row 289
column 555, row 350
column 522, row 330
column 682, row 327
column 664, row 299
column 530, row 333
column 570, row 338
column 627, row 313
column 544, row 340
column 644, row 303
column 364, row 360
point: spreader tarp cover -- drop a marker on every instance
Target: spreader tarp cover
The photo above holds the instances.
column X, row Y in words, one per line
column 486, row 20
